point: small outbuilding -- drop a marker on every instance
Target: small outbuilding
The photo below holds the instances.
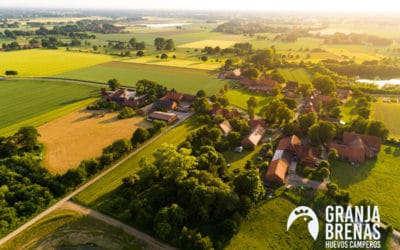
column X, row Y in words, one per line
column 163, row 116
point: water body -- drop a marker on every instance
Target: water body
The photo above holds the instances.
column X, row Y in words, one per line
column 162, row 25
column 380, row 83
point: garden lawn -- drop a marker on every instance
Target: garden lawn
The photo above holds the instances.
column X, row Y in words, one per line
column 93, row 195
column 239, row 98
column 389, row 113
column 34, row 102
column 42, row 62
column 184, row 80
column 376, row 180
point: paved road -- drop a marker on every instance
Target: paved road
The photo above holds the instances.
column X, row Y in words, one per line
column 87, row 184
column 150, row 241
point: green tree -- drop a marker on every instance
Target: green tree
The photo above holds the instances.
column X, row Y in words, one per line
column 26, row 138
column 277, row 76
column 132, row 42
column 305, row 89
column 251, row 73
column 164, row 56
column 321, row 132
column 324, row 83
column 113, row 84
column 201, row 105
column 201, row 93
column 204, row 58
column 139, row 136
column 252, row 103
column 249, row 183
column 159, row 43
column 377, row 128
column 306, row 121
column 169, row 44
column 140, row 53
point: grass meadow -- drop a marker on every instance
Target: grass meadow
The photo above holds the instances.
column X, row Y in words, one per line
column 99, row 192
column 296, row 74
column 389, row 113
column 181, row 79
column 33, row 102
column 182, row 63
column 42, row 62
column 67, row 228
column 373, row 180
column 265, row 228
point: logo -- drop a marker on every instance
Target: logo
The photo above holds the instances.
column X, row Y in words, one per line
column 313, row 225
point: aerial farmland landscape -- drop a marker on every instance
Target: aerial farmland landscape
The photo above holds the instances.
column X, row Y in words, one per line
column 188, row 125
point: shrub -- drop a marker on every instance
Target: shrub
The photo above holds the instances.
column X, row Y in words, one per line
column 11, row 73
column 126, row 112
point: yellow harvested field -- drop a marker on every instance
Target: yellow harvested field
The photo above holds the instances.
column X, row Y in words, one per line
column 42, row 62
column 80, row 135
column 359, row 57
column 203, row 43
column 176, row 63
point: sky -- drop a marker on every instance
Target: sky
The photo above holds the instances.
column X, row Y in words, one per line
column 261, row 5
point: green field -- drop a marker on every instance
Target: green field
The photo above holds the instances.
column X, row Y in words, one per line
column 265, row 228
column 65, row 228
column 183, row 63
column 95, row 194
column 374, row 180
column 389, row 113
column 42, row 62
column 182, row 79
column 34, row 102
column 299, row 75
column 239, row 98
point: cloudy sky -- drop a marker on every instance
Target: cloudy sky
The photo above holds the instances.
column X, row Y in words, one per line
column 290, row 5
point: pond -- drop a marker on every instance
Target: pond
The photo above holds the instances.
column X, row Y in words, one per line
column 380, row 83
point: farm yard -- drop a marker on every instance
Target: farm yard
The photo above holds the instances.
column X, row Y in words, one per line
column 70, row 229
column 34, row 102
column 41, row 62
column 82, row 135
column 182, row 79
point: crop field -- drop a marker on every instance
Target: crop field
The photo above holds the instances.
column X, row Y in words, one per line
column 182, row 79
column 239, row 98
column 99, row 191
column 41, row 62
column 65, row 228
column 34, row 102
column 213, row 43
column 183, row 63
column 389, row 113
column 265, row 228
column 296, row 74
column 373, row 180
column 83, row 136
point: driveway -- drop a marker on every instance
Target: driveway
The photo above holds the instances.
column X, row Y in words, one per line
column 295, row 180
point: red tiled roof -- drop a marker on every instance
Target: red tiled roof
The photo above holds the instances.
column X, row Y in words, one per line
column 276, row 171
column 174, row 96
